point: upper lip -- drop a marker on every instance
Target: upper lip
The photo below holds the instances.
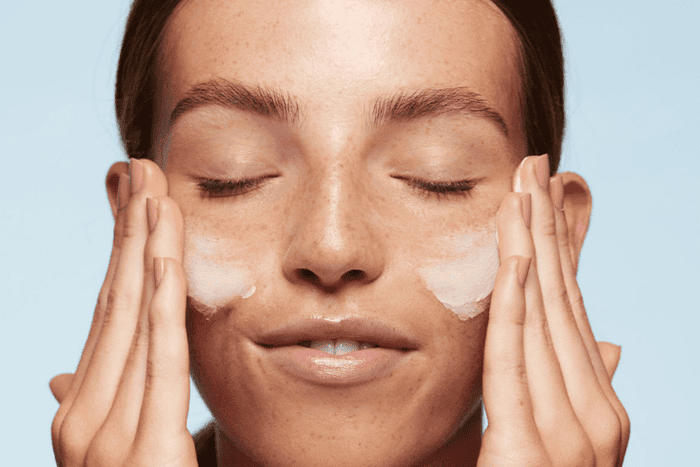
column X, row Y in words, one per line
column 357, row 329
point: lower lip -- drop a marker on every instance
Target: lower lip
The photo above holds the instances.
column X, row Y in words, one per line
column 317, row 366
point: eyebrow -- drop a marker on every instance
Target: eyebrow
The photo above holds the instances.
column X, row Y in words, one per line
column 405, row 106
column 265, row 102
column 401, row 106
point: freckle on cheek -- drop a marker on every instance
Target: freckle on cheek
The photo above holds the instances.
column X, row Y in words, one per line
column 463, row 282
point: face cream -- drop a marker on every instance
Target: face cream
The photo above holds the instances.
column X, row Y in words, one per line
column 463, row 280
column 213, row 279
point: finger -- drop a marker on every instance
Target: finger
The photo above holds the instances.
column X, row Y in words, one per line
column 506, row 393
column 96, row 325
column 165, row 240
column 166, row 399
column 601, row 366
column 590, row 404
column 562, row 435
column 611, row 356
column 57, row 426
column 97, row 390
column 568, row 343
column 60, row 384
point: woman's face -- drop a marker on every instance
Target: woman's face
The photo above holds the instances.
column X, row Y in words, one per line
column 342, row 116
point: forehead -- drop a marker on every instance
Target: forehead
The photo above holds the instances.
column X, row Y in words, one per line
column 337, row 54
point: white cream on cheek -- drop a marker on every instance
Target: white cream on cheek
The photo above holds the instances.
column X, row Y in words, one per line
column 463, row 281
column 213, row 279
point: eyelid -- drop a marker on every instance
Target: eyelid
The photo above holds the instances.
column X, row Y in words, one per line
column 439, row 189
column 222, row 188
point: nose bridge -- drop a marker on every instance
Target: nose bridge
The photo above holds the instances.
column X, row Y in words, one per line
column 333, row 241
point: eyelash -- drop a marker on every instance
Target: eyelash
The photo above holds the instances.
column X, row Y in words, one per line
column 440, row 190
column 213, row 188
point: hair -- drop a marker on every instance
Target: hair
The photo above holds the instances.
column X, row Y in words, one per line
column 542, row 74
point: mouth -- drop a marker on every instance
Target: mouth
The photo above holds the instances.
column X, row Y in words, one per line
column 337, row 351
column 342, row 335
column 337, row 347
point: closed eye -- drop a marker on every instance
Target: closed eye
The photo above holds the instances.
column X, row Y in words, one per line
column 440, row 190
column 214, row 188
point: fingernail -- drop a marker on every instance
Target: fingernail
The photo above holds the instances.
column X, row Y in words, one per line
column 523, row 269
column 516, row 182
column 152, row 210
column 136, row 173
column 542, row 171
column 526, row 205
column 557, row 189
column 158, row 270
column 123, row 194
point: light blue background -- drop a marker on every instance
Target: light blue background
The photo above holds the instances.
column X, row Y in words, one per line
column 632, row 132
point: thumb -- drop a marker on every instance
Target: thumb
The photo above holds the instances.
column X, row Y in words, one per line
column 59, row 385
column 611, row 356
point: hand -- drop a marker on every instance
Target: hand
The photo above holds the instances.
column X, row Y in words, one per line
column 547, row 383
column 127, row 402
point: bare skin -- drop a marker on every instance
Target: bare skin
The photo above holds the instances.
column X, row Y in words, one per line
column 340, row 196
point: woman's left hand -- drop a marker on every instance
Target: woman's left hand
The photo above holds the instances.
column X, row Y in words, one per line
column 547, row 382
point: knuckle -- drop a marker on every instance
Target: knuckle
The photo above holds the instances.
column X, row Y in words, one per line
column 575, row 299
column 117, row 238
column 131, row 227
column 117, row 304
column 562, row 239
column 56, row 427
column 607, row 435
column 547, row 226
column 105, row 449
column 72, row 440
column 509, row 205
column 111, row 318
column 566, row 440
column 102, row 301
column 582, row 456
column 509, row 369
column 562, row 296
column 536, row 325
column 578, row 454
column 625, row 424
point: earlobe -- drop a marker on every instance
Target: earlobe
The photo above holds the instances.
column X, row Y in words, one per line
column 577, row 206
column 112, row 183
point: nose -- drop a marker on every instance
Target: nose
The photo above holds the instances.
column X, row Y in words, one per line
column 334, row 243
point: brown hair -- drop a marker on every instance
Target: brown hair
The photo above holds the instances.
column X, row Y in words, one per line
column 534, row 21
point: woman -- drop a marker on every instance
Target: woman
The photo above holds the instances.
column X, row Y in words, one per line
column 313, row 202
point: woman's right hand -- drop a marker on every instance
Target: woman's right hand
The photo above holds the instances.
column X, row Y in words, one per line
column 127, row 402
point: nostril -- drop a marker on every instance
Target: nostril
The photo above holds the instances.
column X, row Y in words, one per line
column 308, row 275
column 354, row 275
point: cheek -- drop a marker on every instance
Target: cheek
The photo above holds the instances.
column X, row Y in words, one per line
column 214, row 277
column 464, row 279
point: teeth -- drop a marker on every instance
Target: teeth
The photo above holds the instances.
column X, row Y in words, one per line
column 340, row 347
column 343, row 347
column 326, row 346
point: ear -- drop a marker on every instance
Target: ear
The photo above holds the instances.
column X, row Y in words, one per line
column 577, row 207
column 112, row 182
